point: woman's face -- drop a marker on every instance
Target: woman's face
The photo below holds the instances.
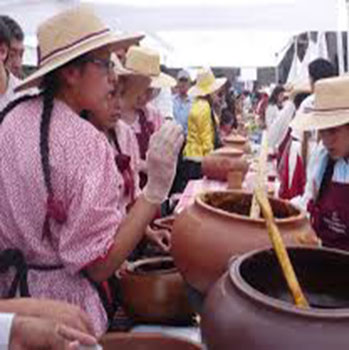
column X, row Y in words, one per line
column 106, row 116
column 91, row 84
column 281, row 98
column 336, row 141
column 146, row 96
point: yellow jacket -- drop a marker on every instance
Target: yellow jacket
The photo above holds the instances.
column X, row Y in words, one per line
column 200, row 138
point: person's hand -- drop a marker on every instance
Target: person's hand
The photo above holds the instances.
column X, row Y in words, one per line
column 29, row 333
column 61, row 313
column 161, row 237
column 164, row 147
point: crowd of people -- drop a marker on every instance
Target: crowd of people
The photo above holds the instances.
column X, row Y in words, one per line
column 98, row 137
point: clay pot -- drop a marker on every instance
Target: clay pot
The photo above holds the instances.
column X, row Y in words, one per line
column 207, row 233
column 251, row 307
column 220, row 163
column 134, row 341
column 153, row 291
column 237, row 142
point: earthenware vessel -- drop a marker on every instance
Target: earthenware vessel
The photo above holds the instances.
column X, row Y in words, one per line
column 251, row 308
column 153, row 291
column 217, row 226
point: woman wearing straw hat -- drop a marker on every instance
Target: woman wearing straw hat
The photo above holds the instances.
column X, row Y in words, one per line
column 60, row 221
column 124, row 142
column 143, row 118
column 203, row 136
column 327, row 189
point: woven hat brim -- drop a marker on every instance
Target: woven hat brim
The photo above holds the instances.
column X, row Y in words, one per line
column 320, row 120
column 197, row 92
column 115, row 40
column 162, row 81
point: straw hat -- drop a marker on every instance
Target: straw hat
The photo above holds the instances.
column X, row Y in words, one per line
column 146, row 62
column 331, row 106
column 206, row 83
column 135, row 83
column 69, row 35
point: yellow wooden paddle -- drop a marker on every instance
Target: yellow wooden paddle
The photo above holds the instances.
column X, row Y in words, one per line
column 280, row 249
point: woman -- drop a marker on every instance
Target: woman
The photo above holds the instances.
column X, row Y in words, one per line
column 124, row 143
column 60, row 220
column 203, row 133
column 143, row 118
column 275, row 104
column 327, row 188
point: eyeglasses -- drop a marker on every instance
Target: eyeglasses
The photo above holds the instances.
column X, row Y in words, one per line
column 106, row 64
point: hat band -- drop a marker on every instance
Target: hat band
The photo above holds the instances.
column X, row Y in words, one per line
column 71, row 45
column 328, row 109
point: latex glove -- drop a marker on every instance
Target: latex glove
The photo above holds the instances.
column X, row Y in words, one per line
column 162, row 155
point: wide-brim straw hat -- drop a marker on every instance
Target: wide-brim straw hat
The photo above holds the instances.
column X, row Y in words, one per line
column 135, row 83
column 71, row 34
column 145, row 61
column 206, row 83
column 331, row 106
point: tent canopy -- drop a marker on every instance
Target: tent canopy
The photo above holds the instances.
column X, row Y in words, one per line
column 245, row 33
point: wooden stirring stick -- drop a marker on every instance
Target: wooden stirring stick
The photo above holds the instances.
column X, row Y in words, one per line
column 261, row 175
column 280, row 249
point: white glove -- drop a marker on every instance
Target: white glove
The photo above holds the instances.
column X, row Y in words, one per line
column 162, row 155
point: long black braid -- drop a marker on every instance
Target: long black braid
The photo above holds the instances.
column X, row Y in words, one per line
column 48, row 97
column 49, row 86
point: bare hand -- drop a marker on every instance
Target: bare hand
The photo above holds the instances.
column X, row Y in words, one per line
column 161, row 237
column 61, row 313
column 34, row 333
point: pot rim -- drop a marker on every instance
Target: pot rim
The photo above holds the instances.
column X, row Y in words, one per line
column 200, row 202
column 131, row 268
column 256, row 296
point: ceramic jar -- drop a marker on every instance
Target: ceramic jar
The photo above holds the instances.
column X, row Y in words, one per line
column 237, row 141
column 146, row 341
column 153, row 291
column 223, row 163
column 217, row 226
column 250, row 306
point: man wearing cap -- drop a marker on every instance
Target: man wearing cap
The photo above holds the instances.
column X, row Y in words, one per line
column 182, row 101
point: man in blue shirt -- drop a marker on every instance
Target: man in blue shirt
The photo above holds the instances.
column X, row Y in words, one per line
column 181, row 101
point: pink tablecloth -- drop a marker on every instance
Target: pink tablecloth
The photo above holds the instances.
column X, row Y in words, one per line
column 195, row 187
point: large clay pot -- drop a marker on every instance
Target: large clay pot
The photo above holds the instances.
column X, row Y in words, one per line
column 134, row 341
column 250, row 307
column 153, row 291
column 207, row 233
column 218, row 165
column 237, row 142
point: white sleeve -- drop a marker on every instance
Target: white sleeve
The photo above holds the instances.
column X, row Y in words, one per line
column 278, row 128
column 5, row 330
column 163, row 102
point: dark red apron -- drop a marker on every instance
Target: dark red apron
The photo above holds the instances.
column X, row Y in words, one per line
column 330, row 212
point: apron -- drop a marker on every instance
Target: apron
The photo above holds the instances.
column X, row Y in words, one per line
column 330, row 212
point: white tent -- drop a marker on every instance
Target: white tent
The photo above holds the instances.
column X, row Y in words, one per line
column 247, row 33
